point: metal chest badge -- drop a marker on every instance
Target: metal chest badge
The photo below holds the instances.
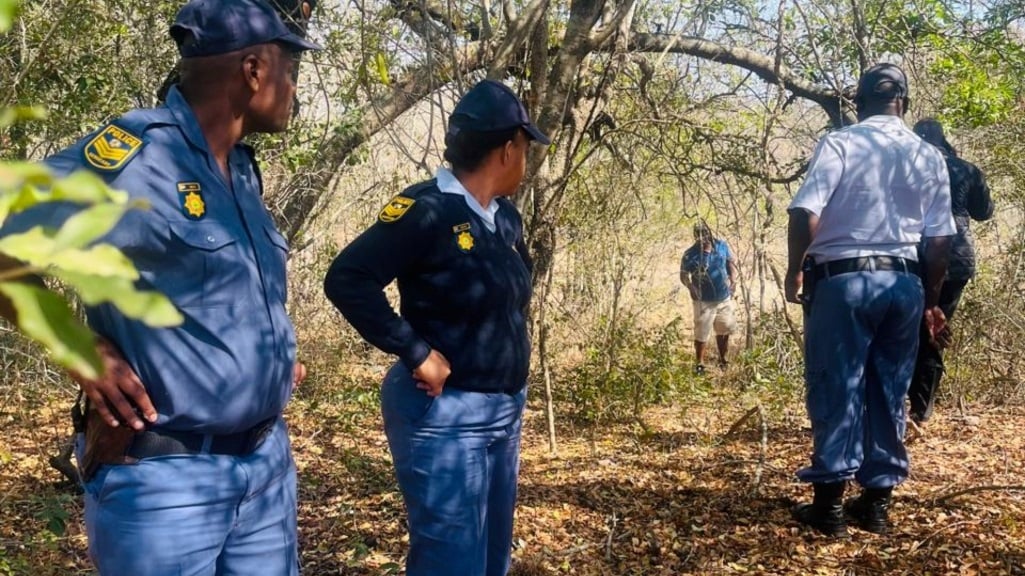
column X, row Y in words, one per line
column 111, row 149
column 463, row 237
column 190, row 195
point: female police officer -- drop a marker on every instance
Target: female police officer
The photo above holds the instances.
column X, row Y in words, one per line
column 453, row 403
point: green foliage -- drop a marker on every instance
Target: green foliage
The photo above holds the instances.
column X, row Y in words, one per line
column 634, row 369
column 53, row 511
column 99, row 273
column 983, row 80
column 8, row 10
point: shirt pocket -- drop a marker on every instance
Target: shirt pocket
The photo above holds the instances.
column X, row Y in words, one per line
column 277, row 264
column 205, row 268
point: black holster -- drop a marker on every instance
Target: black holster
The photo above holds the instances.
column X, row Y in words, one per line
column 808, row 280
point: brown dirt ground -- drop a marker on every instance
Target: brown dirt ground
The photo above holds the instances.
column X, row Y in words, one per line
column 679, row 498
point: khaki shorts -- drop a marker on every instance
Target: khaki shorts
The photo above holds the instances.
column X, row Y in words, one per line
column 709, row 315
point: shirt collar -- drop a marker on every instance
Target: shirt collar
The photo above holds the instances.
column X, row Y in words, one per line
column 182, row 112
column 883, row 119
column 449, row 184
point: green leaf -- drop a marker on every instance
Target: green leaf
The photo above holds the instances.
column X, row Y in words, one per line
column 100, row 260
column 46, row 318
column 15, row 114
column 382, row 69
column 30, row 173
column 38, row 248
column 151, row 308
column 8, row 11
column 89, row 225
column 85, row 186
column 33, row 247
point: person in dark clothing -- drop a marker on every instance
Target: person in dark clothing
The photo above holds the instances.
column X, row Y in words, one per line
column 970, row 200
column 453, row 403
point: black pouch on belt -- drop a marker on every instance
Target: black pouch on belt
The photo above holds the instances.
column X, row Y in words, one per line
column 808, row 280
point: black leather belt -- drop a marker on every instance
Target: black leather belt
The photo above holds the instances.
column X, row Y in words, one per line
column 153, row 443
column 866, row 264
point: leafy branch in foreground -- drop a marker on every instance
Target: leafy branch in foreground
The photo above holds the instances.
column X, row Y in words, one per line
column 97, row 272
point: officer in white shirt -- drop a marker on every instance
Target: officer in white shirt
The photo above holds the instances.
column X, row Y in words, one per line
column 873, row 191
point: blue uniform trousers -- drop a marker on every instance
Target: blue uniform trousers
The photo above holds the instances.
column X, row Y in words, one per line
column 861, row 338
column 201, row 515
column 456, row 457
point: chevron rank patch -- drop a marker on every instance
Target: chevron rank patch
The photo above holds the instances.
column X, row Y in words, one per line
column 190, row 194
column 111, row 149
column 396, row 208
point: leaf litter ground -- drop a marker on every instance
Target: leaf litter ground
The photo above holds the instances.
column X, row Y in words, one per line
column 678, row 495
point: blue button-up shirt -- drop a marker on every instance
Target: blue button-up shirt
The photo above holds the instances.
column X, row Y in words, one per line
column 209, row 245
column 709, row 270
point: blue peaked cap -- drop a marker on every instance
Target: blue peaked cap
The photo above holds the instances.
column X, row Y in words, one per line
column 222, row 26
column 491, row 106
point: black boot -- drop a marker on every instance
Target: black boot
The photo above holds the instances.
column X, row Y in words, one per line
column 825, row 513
column 870, row 511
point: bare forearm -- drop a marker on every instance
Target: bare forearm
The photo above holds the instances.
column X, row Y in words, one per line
column 800, row 231
column 937, row 253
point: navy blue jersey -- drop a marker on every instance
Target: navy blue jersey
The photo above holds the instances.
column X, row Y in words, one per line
column 464, row 290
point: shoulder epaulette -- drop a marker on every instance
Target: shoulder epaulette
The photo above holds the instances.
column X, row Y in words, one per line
column 420, row 188
column 397, row 207
column 114, row 146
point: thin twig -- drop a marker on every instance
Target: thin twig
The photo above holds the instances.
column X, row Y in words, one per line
column 762, row 448
column 608, row 539
column 974, row 489
column 918, row 545
column 747, row 416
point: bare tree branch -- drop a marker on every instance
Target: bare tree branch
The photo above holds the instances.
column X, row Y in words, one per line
column 763, row 66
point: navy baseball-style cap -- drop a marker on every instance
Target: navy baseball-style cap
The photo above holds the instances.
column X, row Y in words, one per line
column 491, row 106
column 222, row 26
column 883, row 82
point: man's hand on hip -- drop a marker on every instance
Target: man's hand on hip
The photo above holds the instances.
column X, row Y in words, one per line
column 117, row 395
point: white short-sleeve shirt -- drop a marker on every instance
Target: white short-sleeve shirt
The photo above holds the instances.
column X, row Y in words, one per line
column 877, row 189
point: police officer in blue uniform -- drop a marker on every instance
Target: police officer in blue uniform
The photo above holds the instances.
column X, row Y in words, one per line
column 873, row 192
column 453, row 402
column 206, row 484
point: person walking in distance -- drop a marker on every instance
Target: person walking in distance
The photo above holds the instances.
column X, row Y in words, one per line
column 709, row 273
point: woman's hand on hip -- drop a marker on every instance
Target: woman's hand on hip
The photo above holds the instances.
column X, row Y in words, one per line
column 432, row 373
